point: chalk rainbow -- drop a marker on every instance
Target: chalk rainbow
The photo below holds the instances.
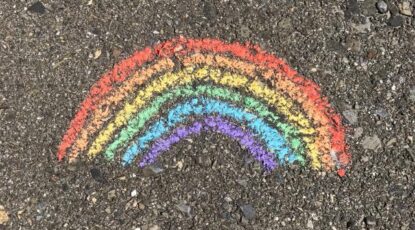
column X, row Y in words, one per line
column 183, row 87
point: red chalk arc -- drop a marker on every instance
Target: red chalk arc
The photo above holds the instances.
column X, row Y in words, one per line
column 331, row 136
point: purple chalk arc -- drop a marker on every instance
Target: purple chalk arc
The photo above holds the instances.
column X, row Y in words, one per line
column 215, row 124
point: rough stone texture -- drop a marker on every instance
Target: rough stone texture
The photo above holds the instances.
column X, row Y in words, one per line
column 382, row 6
column 49, row 59
column 371, row 142
column 248, row 211
column 4, row 216
column 351, row 116
column 405, row 8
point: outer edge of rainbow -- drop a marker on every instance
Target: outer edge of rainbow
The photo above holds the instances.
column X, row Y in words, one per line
column 168, row 48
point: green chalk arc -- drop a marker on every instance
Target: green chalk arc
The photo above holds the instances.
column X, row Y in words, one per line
column 138, row 122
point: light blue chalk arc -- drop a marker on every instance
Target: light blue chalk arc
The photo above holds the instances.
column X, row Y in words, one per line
column 273, row 140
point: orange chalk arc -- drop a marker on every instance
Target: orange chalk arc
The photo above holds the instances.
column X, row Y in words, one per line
column 294, row 101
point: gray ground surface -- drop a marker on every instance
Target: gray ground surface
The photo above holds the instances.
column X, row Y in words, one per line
column 362, row 59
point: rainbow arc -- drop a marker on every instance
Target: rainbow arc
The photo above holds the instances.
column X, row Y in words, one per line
column 182, row 87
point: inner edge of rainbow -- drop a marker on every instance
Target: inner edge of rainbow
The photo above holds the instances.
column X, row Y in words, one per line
column 329, row 154
column 201, row 106
column 216, row 124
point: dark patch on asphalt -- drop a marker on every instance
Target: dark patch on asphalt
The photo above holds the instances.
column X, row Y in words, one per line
column 364, row 65
column 396, row 21
column 98, row 175
column 37, row 7
column 352, row 8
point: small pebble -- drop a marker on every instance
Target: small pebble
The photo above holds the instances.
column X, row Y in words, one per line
column 134, row 193
column 371, row 54
column 382, row 7
column 244, row 31
column 248, row 211
column 152, row 170
column 285, row 23
column 357, row 132
column 111, row 194
column 184, row 208
column 242, row 182
column 116, row 52
column 365, row 158
column 405, row 8
column 381, row 112
column 131, row 204
column 204, row 160
column 370, row 221
column 351, row 116
column 4, row 217
column 156, row 169
column 391, row 142
column 371, row 142
column 227, row 207
column 97, row 53
column 310, row 224
column 179, row 165
column 154, row 227
column 362, row 28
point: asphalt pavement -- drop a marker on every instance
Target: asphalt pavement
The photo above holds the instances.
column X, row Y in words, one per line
column 361, row 53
